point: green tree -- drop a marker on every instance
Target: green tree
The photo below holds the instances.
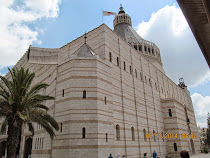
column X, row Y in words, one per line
column 21, row 104
column 208, row 129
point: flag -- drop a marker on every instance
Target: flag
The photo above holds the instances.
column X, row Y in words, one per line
column 105, row 13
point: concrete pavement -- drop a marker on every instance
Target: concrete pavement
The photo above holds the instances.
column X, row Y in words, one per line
column 201, row 156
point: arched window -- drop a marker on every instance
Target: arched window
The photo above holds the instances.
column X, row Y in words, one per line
column 110, row 56
column 169, row 113
column 42, row 142
column 61, row 127
column 124, row 66
column 154, row 135
column 83, row 132
column 136, row 73
column 144, row 131
column 118, row 132
column 175, row 147
column 117, row 61
column 140, row 48
column 106, row 137
column 133, row 134
column 63, row 93
column 84, row 94
column 141, row 75
column 35, row 143
column 105, row 100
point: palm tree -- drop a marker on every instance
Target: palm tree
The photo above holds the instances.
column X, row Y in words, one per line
column 21, row 103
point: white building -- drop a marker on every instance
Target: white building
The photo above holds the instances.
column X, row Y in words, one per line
column 111, row 95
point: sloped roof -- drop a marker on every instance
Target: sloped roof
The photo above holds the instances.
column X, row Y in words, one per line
column 84, row 51
column 128, row 33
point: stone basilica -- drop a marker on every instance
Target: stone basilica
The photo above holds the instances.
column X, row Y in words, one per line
column 112, row 96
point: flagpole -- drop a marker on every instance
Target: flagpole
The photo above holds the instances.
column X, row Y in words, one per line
column 102, row 17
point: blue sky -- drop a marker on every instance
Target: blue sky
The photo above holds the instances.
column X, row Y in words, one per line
column 53, row 23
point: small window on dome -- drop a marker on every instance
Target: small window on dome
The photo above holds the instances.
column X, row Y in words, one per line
column 140, row 48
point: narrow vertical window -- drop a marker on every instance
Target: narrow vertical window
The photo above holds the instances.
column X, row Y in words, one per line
column 145, row 79
column 105, row 100
column 117, row 61
column 84, row 94
column 106, row 137
column 141, row 75
column 39, row 143
column 175, row 147
column 35, row 143
column 130, row 69
column 150, row 81
column 145, row 139
column 155, row 86
column 154, row 135
column 136, row 73
column 110, row 56
column 124, row 66
column 132, row 133
column 83, row 132
column 61, row 127
column 140, row 49
column 42, row 142
column 118, row 132
column 169, row 113
column 63, row 93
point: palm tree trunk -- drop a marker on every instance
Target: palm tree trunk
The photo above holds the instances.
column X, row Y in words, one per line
column 13, row 139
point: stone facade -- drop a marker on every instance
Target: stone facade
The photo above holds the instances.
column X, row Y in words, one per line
column 109, row 97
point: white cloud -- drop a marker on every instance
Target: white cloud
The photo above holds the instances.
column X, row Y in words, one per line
column 15, row 33
column 201, row 108
column 180, row 53
column 48, row 8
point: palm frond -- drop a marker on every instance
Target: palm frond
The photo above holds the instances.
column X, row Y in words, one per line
column 30, row 127
column 22, row 116
column 7, row 83
column 51, row 120
column 40, row 106
column 3, row 126
column 35, row 89
column 40, row 98
column 4, row 92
